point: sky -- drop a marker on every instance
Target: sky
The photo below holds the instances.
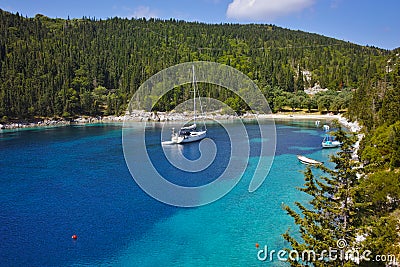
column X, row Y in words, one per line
column 364, row 22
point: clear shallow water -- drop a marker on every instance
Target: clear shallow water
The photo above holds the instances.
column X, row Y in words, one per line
column 57, row 182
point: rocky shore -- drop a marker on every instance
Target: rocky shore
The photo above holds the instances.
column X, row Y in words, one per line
column 144, row 116
column 354, row 127
column 36, row 123
column 136, row 116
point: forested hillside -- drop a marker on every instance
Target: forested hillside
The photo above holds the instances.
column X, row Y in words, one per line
column 376, row 104
column 57, row 67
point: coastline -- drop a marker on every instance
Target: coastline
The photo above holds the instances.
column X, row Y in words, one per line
column 144, row 116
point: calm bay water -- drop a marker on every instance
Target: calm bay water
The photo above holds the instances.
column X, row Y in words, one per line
column 56, row 182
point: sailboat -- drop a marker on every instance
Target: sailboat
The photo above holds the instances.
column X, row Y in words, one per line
column 190, row 133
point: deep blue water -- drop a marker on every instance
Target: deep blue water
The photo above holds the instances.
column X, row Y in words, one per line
column 56, row 182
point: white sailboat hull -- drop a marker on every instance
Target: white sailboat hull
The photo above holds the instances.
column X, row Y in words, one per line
column 193, row 137
column 331, row 144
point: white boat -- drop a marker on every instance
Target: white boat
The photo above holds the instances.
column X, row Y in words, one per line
column 308, row 161
column 189, row 133
column 330, row 142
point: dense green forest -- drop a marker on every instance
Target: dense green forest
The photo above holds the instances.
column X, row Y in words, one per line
column 376, row 104
column 56, row 67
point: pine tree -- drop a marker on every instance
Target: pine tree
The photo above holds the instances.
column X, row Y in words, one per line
column 328, row 218
column 299, row 85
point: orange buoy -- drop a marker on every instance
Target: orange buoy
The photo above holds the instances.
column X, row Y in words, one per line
column 257, row 245
column 74, row 236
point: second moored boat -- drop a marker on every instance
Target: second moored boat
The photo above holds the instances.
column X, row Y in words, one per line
column 308, row 161
column 330, row 142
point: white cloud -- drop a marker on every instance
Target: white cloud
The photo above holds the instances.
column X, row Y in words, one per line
column 265, row 9
column 144, row 12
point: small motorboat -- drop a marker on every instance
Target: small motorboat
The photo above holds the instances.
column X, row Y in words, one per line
column 330, row 142
column 308, row 161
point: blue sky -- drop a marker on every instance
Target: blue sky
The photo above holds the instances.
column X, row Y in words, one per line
column 364, row 22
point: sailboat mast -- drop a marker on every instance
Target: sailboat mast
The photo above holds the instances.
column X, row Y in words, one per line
column 194, row 96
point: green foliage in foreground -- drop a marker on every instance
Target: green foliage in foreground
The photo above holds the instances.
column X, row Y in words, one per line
column 364, row 210
column 381, row 150
column 366, row 213
column 378, row 198
column 331, row 212
column 376, row 105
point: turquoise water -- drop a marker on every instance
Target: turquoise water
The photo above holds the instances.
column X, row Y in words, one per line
column 57, row 182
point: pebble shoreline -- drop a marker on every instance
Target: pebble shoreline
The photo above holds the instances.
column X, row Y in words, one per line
column 144, row 116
